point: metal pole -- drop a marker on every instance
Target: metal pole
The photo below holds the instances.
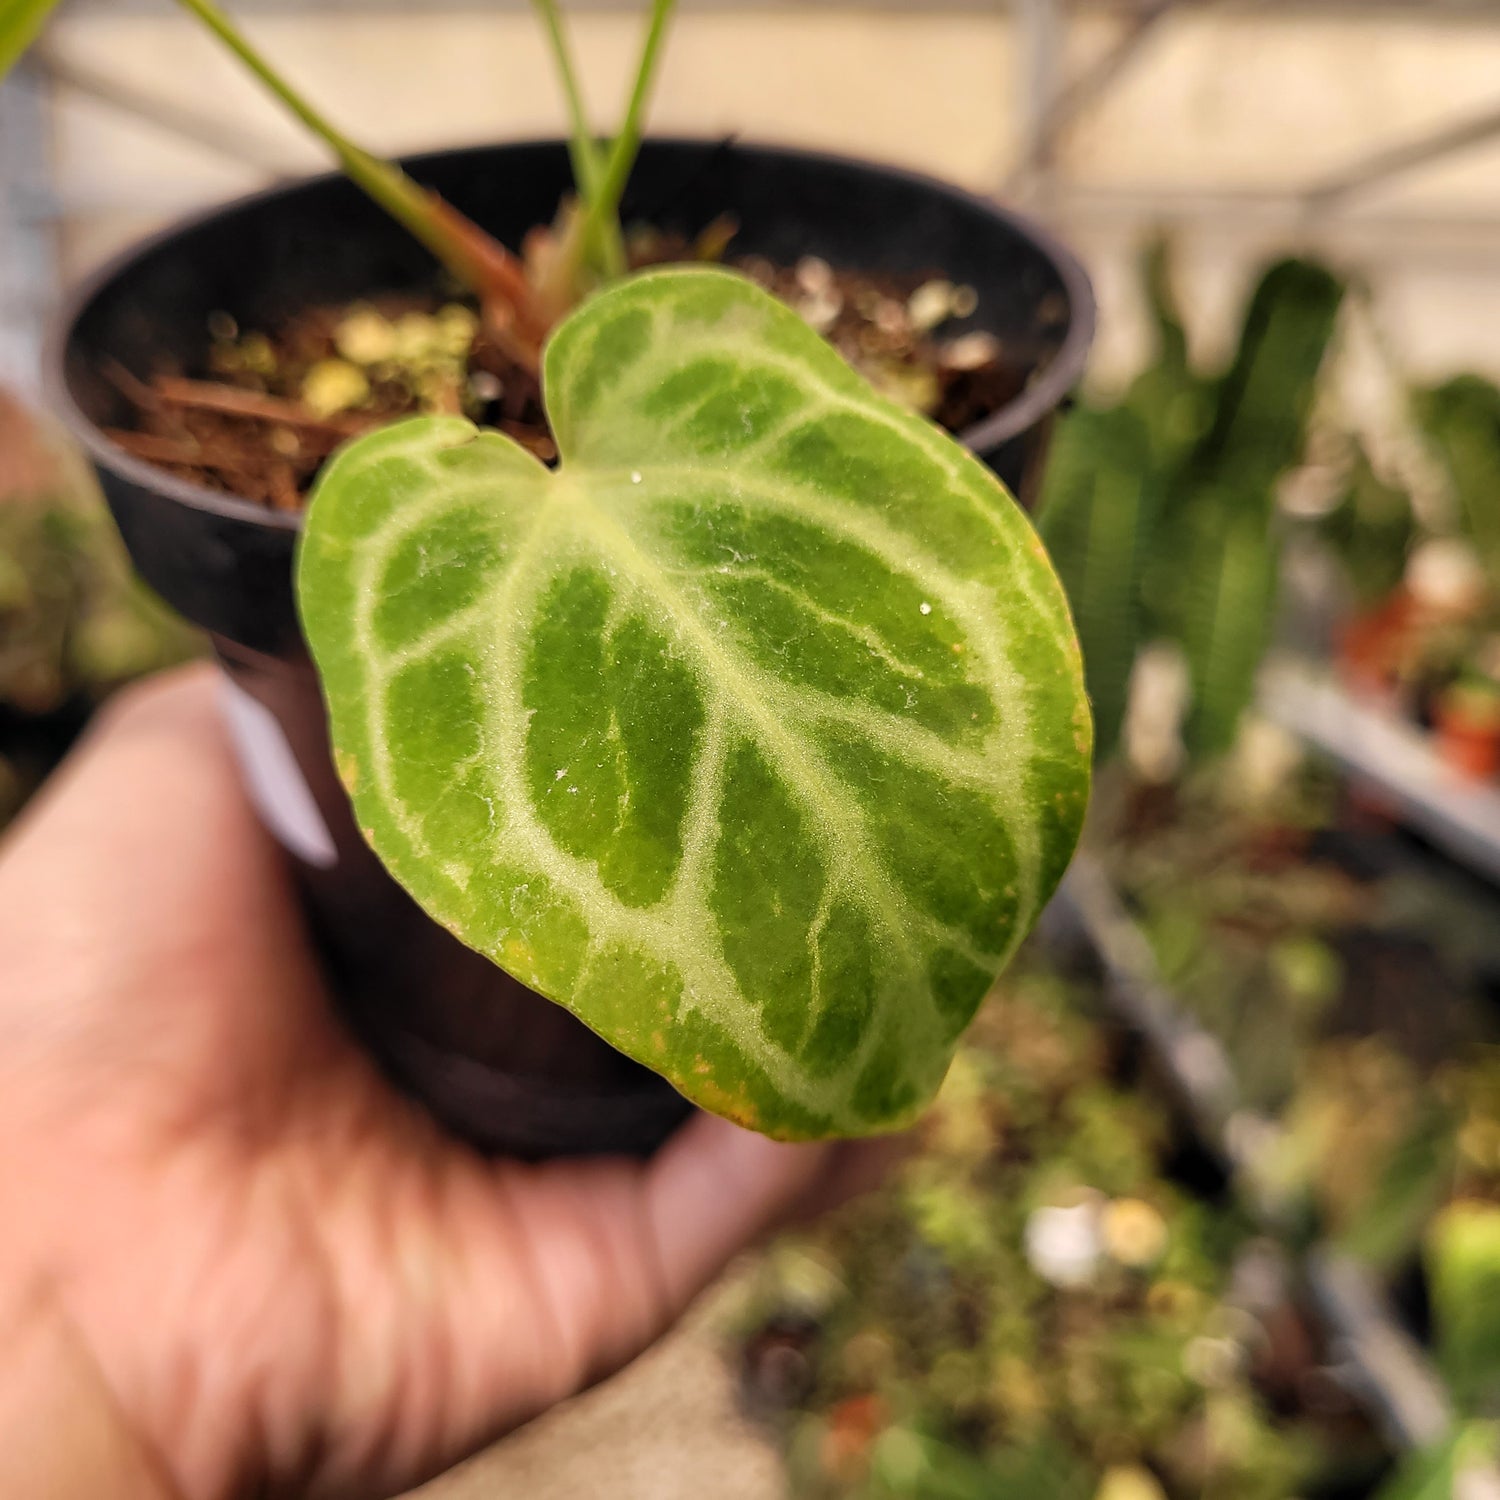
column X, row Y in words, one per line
column 1336, row 190
column 1039, row 52
column 226, row 139
column 1073, row 98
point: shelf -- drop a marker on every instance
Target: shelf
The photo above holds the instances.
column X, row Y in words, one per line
column 1458, row 815
column 1391, row 1371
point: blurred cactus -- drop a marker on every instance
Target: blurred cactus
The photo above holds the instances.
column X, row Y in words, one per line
column 1160, row 512
column 1222, row 543
column 1266, row 395
column 1229, row 560
column 1098, row 521
column 1169, row 396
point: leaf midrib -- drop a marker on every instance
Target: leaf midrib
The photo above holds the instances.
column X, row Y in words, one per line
column 559, row 505
column 566, row 492
column 1003, row 773
column 818, row 786
column 566, row 498
column 829, row 735
column 521, row 811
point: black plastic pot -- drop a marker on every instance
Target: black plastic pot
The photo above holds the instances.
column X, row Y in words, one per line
column 496, row 1062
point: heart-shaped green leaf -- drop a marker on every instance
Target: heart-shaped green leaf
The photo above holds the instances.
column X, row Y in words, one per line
column 754, row 733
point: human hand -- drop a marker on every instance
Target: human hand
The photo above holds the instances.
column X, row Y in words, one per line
column 231, row 1251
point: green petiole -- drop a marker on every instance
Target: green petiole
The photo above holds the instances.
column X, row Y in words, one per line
column 604, row 205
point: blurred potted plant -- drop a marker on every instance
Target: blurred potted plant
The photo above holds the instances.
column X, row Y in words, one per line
column 1466, row 722
column 1424, row 591
column 698, row 733
column 1037, row 1306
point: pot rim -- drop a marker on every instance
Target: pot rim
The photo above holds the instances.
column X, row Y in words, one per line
column 1042, row 395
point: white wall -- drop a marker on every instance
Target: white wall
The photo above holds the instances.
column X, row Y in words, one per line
column 1222, row 105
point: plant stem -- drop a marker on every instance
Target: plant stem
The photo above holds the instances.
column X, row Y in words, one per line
column 440, row 228
column 588, row 161
column 604, row 206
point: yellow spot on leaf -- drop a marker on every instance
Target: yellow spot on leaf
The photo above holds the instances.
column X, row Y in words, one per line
column 516, row 953
column 348, row 769
column 732, row 1106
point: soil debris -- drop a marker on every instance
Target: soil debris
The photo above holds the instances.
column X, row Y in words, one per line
column 270, row 405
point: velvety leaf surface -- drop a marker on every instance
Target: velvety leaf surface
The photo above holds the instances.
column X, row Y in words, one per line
column 754, row 733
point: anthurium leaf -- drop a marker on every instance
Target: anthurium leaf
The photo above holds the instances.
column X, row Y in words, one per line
column 754, row 733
